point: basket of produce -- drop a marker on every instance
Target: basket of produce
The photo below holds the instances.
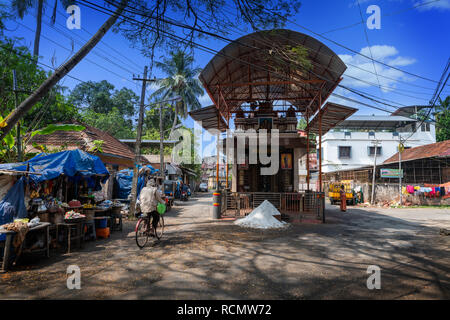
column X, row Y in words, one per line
column 57, row 217
column 89, row 211
column 73, row 217
column 44, row 216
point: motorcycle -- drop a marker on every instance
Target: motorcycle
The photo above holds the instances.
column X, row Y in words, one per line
column 184, row 196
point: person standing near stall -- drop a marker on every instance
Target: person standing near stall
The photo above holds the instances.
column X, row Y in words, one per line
column 343, row 199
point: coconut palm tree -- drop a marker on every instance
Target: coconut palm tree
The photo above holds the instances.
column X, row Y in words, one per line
column 22, row 7
column 181, row 82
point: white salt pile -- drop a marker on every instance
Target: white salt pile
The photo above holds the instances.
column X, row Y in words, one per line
column 262, row 218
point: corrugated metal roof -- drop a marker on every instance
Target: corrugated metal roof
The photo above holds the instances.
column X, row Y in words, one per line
column 438, row 149
column 332, row 114
column 409, row 111
column 238, row 68
column 209, row 118
column 374, row 122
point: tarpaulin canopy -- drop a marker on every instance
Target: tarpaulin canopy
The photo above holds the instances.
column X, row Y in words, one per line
column 12, row 206
column 124, row 179
column 50, row 166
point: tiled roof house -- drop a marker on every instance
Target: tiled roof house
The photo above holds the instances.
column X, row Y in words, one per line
column 115, row 154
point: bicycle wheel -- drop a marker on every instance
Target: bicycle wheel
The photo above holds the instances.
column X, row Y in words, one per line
column 142, row 232
column 160, row 229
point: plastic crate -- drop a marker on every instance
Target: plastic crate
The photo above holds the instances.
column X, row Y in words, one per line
column 102, row 232
column 101, row 223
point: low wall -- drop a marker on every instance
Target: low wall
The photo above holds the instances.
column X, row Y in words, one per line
column 387, row 192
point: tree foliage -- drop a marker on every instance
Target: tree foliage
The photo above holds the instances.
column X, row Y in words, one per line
column 151, row 24
column 443, row 120
column 53, row 108
column 112, row 122
column 181, row 81
column 102, row 97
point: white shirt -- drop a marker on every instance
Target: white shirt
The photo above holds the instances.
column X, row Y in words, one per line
column 149, row 198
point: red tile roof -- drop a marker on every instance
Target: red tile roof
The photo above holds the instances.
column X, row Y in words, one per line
column 84, row 141
column 438, row 149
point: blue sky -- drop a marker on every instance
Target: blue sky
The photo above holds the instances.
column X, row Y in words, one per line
column 412, row 39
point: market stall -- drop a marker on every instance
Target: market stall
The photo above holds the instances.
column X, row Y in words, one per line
column 60, row 191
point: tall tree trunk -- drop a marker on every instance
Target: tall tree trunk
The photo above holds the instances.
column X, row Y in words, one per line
column 174, row 122
column 37, row 35
column 59, row 73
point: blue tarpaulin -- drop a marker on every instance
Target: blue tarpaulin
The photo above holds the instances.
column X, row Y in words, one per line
column 124, row 180
column 12, row 205
column 70, row 163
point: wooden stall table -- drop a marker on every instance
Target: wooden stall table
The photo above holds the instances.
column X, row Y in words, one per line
column 78, row 225
column 42, row 226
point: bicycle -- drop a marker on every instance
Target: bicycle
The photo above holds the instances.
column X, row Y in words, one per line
column 144, row 228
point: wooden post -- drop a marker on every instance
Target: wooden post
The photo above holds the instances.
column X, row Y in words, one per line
column 161, row 147
column 320, row 150
column 137, row 150
column 374, row 172
column 307, row 150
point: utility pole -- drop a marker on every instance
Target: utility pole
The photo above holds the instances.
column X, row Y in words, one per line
column 161, row 148
column 400, row 149
column 137, row 150
column 16, row 98
column 374, row 171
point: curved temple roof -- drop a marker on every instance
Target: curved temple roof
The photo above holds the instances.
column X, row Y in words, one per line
column 245, row 71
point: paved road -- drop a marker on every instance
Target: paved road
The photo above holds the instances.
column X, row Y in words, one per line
column 199, row 258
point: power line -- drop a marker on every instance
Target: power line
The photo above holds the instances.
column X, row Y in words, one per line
column 125, row 58
column 201, row 47
column 354, row 51
column 370, row 47
column 181, row 25
column 236, row 41
column 90, row 61
column 64, row 33
column 384, row 15
column 41, row 63
column 436, row 96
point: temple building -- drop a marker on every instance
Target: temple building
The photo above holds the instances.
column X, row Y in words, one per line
column 260, row 83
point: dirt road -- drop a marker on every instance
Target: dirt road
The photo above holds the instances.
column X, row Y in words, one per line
column 199, row 258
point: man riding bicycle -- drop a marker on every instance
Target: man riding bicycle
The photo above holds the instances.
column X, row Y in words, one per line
column 149, row 198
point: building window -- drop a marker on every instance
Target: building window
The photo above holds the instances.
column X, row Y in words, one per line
column 321, row 153
column 344, row 152
column 395, row 134
column 347, row 134
column 371, row 134
column 371, row 151
column 406, row 147
column 425, row 127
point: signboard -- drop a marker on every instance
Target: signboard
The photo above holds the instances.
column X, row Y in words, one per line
column 391, row 173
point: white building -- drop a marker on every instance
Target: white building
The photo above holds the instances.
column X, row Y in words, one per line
column 351, row 144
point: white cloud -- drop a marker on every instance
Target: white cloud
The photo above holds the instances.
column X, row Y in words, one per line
column 356, row 66
column 440, row 5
